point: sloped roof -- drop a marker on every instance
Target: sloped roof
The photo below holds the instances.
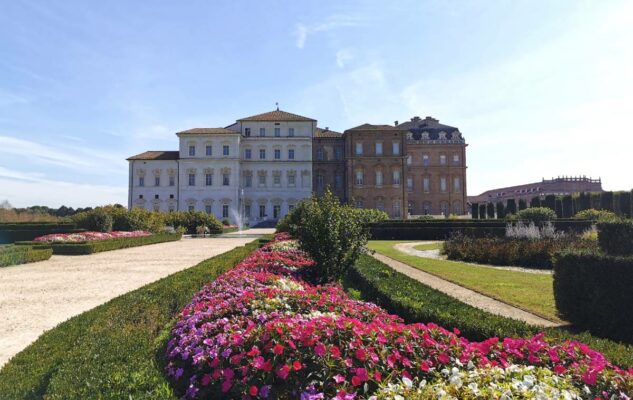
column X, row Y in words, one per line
column 208, row 131
column 156, row 155
column 326, row 133
column 428, row 124
column 276, row 115
column 370, row 127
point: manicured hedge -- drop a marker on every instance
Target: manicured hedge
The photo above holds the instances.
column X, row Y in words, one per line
column 14, row 232
column 616, row 238
column 97, row 246
column 416, row 302
column 14, row 255
column 595, row 292
column 112, row 351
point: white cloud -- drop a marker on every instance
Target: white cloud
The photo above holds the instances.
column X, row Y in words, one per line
column 343, row 57
column 302, row 31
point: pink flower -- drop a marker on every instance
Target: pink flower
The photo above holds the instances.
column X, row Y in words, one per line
column 339, row 378
column 283, row 372
column 319, row 349
column 278, row 349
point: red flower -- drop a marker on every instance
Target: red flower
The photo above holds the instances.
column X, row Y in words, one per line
column 278, row 349
column 356, row 381
column 297, row 365
column 253, row 391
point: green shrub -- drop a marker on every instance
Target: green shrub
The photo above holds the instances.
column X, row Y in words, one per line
column 190, row 220
column 558, row 208
column 474, row 210
column 606, row 201
column 593, row 291
column 625, row 204
column 23, row 254
column 538, row 215
column 113, row 351
column 582, row 202
column 97, row 220
column 511, row 207
column 522, row 204
column 616, row 238
column 549, row 202
column 535, row 202
column 596, row 215
column 14, row 232
column 568, row 206
column 594, row 200
column 501, row 210
column 490, row 211
column 97, row 246
column 482, row 211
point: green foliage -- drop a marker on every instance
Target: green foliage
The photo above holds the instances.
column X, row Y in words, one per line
column 416, row 302
column 535, row 202
column 623, row 202
column 97, row 246
column 596, row 215
column 522, row 204
column 538, row 215
column 594, row 201
column 290, row 223
column 490, row 211
column 22, row 254
column 114, row 351
column 98, row 220
column 616, row 238
column 190, row 220
column 474, row 210
column 558, row 208
column 429, row 218
column 15, row 232
column 582, row 202
column 501, row 210
column 567, row 206
column 593, row 291
column 606, row 201
column 550, row 202
column 511, row 207
column 333, row 234
column 482, row 211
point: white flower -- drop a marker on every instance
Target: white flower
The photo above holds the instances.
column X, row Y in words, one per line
column 408, row 382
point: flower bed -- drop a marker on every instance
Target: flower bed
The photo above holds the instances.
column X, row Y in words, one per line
column 89, row 236
column 262, row 330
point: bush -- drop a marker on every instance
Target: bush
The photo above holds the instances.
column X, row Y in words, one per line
column 501, row 211
column 482, row 211
column 97, row 246
column 511, row 207
column 568, row 206
column 15, row 232
column 190, row 220
column 596, row 215
column 490, row 211
column 474, row 210
column 95, row 220
column 582, row 202
column 593, row 291
column 616, row 238
column 22, row 254
column 535, row 202
column 538, row 215
column 606, row 201
column 522, row 204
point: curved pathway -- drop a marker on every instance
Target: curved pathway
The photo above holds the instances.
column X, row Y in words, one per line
column 38, row 296
column 465, row 295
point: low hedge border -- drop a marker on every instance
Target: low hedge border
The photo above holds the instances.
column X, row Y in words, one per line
column 15, row 255
column 14, row 232
column 416, row 302
column 97, row 246
column 110, row 352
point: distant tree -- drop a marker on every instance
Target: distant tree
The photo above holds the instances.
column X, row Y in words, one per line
column 606, row 201
column 568, row 206
column 558, row 207
column 625, row 204
column 582, row 202
column 550, row 202
column 594, row 201
column 4, row 204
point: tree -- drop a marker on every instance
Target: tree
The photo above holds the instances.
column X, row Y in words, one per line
column 550, row 202
column 522, row 204
column 538, row 215
column 535, row 202
column 474, row 210
column 482, row 211
column 582, row 202
column 6, row 205
column 501, row 210
column 490, row 210
column 558, row 207
column 511, row 207
column 606, row 201
column 568, row 206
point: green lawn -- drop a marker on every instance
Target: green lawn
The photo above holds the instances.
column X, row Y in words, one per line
column 428, row 246
column 528, row 291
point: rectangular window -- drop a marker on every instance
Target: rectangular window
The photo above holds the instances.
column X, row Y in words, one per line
column 410, row 184
column 359, row 177
column 157, row 181
column 172, row 181
column 226, row 179
column 209, row 151
column 277, row 132
column 455, row 158
column 276, row 211
column 442, row 159
column 262, row 180
column 248, row 181
column 291, row 180
column 320, row 183
column 277, row 180
column 338, row 153
column 191, row 208
column 426, row 184
column 396, row 148
column 225, row 150
column 291, row 154
column 225, row 210
column 409, row 159
column 140, row 196
column 262, row 132
column 247, row 211
column 457, row 184
column 171, row 196
column 443, row 184
column 207, row 209
column 192, row 151
column 378, row 149
column 247, row 154
column 262, row 211
column 192, row 179
column 338, row 181
column 396, row 177
column 359, row 149
column 208, row 179
column 378, row 178
column 319, row 154
column 262, row 154
column 156, row 197
column 141, row 181
column 425, row 160
column 291, row 132
column 277, row 154
column 396, row 209
column 247, row 132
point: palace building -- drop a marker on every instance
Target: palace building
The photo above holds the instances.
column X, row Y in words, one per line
column 260, row 167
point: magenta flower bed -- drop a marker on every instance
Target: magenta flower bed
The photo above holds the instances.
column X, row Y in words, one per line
column 89, row 236
column 261, row 331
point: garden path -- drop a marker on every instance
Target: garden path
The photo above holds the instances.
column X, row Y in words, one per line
column 36, row 297
column 466, row 295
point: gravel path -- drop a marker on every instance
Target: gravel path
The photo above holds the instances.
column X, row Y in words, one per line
column 465, row 295
column 36, row 297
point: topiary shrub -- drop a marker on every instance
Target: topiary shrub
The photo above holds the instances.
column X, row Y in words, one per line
column 522, row 204
column 95, row 220
column 538, row 215
column 568, row 206
column 606, row 201
column 474, row 210
column 511, row 207
column 501, row 210
column 490, row 211
column 596, row 215
column 616, row 238
column 535, row 202
column 482, row 211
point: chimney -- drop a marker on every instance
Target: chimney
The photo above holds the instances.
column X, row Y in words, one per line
column 395, row 123
column 327, row 128
column 416, row 118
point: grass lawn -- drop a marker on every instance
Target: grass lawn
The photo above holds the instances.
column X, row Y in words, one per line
column 426, row 246
column 529, row 291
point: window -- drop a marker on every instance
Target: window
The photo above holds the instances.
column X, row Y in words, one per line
column 378, row 149
column 443, row 184
column 457, row 184
column 226, row 179
column 396, row 177
column 410, row 184
column 225, row 150
column 426, row 184
column 192, row 151
column 209, row 150
column 190, row 208
column 409, row 159
column 248, row 181
column 262, row 180
column 319, row 154
column 277, row 132
column 276, row 211
column 262, row 154
column 395, row 148
column 396, row 208
column 247, row 132
column 262, row 131
column 277, row 154
column 225, row 210
column 359, row 149
column 338, row 153
column 291, row 132
column 380, row 205
column 359, row 177
column 425, row 160
column 359, row 204
column 208, row 179
column 247, row 210
column 338, row 181
column 141, row 181
column 291, row 180
column 277, row 180
column 172, row 181
column 247, row 154
column 444, row 207
column 207, row 209
column 291, row 154
column 140, row 196
column 319, row 179
column 410, row 208
column 155, row 197
column 455, row 158
column 192, row 179
column 157, row 181
column 378, row 178
column 262, row 211
column 442, row 159
column 171, row 196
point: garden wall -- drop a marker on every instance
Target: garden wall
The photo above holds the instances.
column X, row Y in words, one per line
column 14, row 232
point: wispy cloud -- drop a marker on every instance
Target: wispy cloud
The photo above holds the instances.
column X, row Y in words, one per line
column 302, row 31
column 343, row 57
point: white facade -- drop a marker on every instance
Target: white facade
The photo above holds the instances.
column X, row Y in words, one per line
column 256, row 170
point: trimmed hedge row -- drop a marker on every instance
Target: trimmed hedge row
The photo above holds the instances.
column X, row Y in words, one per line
column 97, row 246
column 14, row 255
column 15, row 232
column 416, row 302
column 616, row 238
column 595, row 292
column 112, row 351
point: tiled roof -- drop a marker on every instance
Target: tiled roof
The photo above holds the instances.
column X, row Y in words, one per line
column 156, row 155
column 276, row 115
column 370, row 127
column 326, row 133
column 208, row 131
column 428, row 125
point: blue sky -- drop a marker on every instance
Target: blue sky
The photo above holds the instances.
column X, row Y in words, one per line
column 538, row 88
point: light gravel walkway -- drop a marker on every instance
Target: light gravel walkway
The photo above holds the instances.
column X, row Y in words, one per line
column 36, row 297
column 465, row 295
